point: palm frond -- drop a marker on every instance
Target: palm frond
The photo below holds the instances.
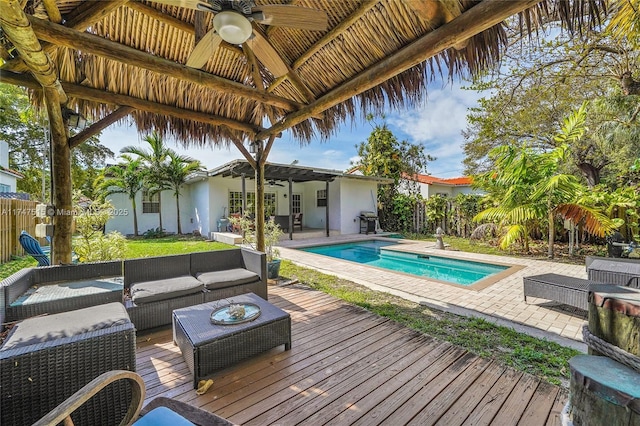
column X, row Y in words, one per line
column 513, row 234
column 625, row 23
column 595, row 222
column 562, row 187
column 574, row 126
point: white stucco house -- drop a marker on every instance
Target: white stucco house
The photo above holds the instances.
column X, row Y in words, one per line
column 8, row 178
column 329, row 200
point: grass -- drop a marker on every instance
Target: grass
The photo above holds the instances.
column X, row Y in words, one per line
column 15, row 265
column 174, row 244
column 547, row 360
column 542, row 358
column 135, row 248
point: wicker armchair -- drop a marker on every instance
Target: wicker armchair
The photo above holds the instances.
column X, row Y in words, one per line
column 185, row 411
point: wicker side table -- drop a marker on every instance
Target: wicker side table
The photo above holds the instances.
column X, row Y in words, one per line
column 208, row 347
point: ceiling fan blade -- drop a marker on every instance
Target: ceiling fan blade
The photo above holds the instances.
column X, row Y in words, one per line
column 189, row 4
column 204, row 49
column 267, row 54
column 286, row 15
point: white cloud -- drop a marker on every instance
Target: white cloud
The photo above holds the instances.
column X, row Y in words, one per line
column 443, row 116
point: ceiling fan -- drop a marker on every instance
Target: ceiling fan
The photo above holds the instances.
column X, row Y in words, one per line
column 272, row 182
column 232, row 23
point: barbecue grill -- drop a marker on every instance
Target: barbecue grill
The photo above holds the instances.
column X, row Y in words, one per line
column 368, row 222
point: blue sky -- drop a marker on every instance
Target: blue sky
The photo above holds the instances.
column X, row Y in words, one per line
column 437, row 125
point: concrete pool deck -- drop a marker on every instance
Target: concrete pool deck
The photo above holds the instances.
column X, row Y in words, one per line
column 501, row 303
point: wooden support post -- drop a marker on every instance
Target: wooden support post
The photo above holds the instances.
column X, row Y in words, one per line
column 259, row 211
column 61, row 179
column 244, row 194
column 327, row 208
column 290, row 209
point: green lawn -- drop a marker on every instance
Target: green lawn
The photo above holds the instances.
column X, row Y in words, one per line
column 136, row 248
column 539, row 357
column 170, row 245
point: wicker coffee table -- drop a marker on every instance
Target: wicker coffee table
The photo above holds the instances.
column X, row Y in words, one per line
column 208, row 347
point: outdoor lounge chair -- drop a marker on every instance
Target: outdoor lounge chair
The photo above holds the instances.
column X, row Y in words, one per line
column 612, row 270
column 160, row 411
column 33, row 248
column 297, row 221
column 570, row 291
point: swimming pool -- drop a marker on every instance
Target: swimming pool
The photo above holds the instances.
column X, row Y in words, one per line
column 373, row 252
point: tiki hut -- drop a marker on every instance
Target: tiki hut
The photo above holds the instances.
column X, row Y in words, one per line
column 242, row 71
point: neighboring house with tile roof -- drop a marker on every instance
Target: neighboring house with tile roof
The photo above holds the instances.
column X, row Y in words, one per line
column 8, row 178
column 448, row 187
column 431, row 185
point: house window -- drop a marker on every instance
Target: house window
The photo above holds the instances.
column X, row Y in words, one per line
column 321, row 198
column 4, row 188
column 296, row 203
column 150, row 202
column 235, row 202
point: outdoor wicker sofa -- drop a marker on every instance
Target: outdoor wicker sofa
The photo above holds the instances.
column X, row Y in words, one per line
column 570, row 291
column 46, row 359
column 156, row 286
column 151, row 288
column 53, row 289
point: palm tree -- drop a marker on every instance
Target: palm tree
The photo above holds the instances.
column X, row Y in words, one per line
column 155, row 160
column 127, row 178
column 176, row 172
column 535, row 190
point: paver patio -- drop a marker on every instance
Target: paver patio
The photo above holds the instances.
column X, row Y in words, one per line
column 502, row 302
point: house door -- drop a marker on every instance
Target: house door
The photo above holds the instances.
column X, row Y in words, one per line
column 296, row 203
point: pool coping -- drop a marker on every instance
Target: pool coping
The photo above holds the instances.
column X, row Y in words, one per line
column 477, row 286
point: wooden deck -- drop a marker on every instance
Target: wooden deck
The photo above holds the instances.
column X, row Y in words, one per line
column 348, row 366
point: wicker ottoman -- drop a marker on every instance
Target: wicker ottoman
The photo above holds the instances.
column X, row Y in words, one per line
column 46, row 359
column 208, row 347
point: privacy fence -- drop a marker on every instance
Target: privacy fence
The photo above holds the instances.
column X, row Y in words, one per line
column 452, row 219
column 15, row 216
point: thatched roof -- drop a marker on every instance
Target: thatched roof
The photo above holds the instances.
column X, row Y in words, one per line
column 110, row 54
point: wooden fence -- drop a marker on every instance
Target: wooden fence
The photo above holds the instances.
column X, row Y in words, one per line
column 452, row 223
column 15, row 216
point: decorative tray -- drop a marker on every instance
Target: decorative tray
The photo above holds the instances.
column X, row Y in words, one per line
column 222, row 316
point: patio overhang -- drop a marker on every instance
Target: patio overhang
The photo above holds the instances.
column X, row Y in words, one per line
column 277, row 172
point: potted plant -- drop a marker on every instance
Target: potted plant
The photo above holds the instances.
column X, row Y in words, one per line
column 272, row 233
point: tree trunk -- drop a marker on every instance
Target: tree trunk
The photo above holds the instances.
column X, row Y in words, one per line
column 160, row 210
column 61, row 185
column 259, row 198
column 591, row 173
column 135, row 217
column 178, row 213
column 552, row 231
column 572, row 234
column 629, row 85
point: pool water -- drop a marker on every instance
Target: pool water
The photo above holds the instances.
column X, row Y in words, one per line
column 462, row 272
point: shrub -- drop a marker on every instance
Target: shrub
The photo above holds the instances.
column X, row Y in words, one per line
column 93, row 245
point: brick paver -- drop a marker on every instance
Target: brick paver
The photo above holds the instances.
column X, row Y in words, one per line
column 502, row 302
